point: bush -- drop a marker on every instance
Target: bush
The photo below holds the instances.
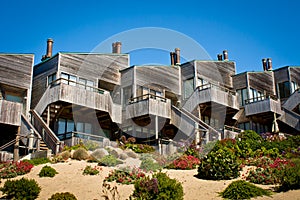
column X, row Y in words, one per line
column 109, row 161
column 290, row 177
column 219, row 165
column 75, row 147
column 88, row 170
column 159, row 187
column 185, row 162
column 65, row 155
column 139, row 148
column 125, row 176
column 13, row 169
column 37, row 161
column 63, row 196
column 80, row 154
column 47, row 171
column 243, row 190
column 21, row 189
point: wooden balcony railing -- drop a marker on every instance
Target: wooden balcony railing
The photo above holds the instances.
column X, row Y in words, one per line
column 219, row 87
column 260, row 98
column 146, row 97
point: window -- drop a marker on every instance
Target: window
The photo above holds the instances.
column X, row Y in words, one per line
column 65, row 126
column 84, row 127
column 51, row 78
column 68, row 79
column 255, row 95
column 242, row 96
column 188, row 86
column 294, row 86
column 284, row 89
column 126, row 95
column 202, row 83
column 86, row 84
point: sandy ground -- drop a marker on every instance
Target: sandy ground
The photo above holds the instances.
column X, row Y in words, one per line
column 70, row 179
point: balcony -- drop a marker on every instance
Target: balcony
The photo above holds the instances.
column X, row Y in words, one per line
column 76, row 94
column 148, row 105
column 262, row 105
column 10, row 113
column 212, row 93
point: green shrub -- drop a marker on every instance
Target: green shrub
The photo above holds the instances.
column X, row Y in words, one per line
column 91, row 145
column 38, row 161
column 109, row 161
column 290, row 177
column 219, row 165
column 47, row 171
column 243, row 190
column 88, row 170
column 80, row 154
column 75, row 147
column 21, row 189
column 159, row 187
column 139, row 148
column 63, row 196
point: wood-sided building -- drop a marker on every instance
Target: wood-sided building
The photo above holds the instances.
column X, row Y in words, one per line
column 78, row 95
column 15, row 94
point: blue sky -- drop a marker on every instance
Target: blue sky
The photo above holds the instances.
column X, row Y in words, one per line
column 249, row 30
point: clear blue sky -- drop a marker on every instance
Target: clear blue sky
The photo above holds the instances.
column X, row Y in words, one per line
column 249, row 30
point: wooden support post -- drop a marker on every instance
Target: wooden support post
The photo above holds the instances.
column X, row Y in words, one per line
column 16, row 146
column 48, row 116
column 156, row 134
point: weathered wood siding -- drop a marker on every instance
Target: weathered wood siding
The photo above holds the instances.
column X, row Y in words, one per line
column 267, row 105
column 281, row 75
column 262, row 81
column 187, row 70
column 211, row 95
column 127, row 77
column 159, row 78
column 295, row 74
column 94, row 67
column 82, row 97
column 16, row 70
column 149, row 107
column 10, row 113
column 240, row 81
column 216, row 71
column 40, row 74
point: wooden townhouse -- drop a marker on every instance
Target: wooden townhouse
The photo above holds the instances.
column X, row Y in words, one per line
column 76, row 97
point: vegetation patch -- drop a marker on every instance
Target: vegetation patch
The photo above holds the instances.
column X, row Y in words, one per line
column 243, row 190
column 109, row 161
column 13, row 169
column 47, row 171
column 89, row 170
column 125, row 176
column 63, row 196
column 38, row 161
column 21, row 189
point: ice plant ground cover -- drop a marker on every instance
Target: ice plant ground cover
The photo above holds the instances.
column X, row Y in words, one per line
column 13, row 169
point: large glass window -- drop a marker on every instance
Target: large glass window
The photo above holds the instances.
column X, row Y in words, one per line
column 188, row 86
column 255, row 95
column 284, row 89
column 243, row 95
column 68, row 79
column 86, row 84
column 84, row 127
column 65, row 126
column 127, row 94
column 202, row 83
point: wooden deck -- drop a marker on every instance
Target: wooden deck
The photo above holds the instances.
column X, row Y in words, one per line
column 98, row 100
column 10, row 113
column 149, row 105
column 255, row 107
column 212, row 93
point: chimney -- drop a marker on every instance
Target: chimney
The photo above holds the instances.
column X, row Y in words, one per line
column 177, row 57
column 225, row 55
column 116, row 47
column 172, row 55
column 220, row 58
column 269, row 64
column 264, row 62
column 49, row 49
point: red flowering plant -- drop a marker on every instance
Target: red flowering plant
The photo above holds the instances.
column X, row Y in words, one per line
column 268, row 171
column 125, row 176
column 13, row 169
column 185, row 162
